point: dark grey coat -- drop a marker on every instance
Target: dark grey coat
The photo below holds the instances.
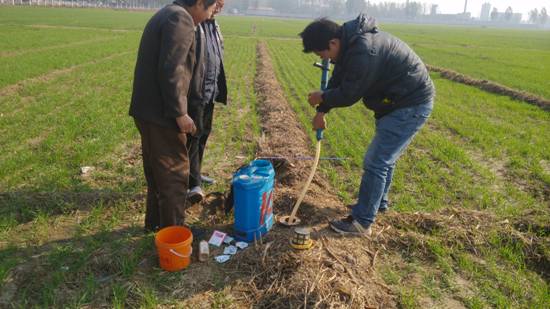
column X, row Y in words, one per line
column 198, row 83
column 164, row 67
column 378, row 68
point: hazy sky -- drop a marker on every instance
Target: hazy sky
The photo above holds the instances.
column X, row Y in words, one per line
column 474, row 6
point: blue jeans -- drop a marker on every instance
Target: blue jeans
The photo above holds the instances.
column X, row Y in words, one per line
column 394, row 132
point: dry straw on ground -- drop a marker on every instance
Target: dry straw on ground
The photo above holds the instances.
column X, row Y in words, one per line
column 337, row 272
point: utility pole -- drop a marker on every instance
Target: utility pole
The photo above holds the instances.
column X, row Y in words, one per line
column 465, row 6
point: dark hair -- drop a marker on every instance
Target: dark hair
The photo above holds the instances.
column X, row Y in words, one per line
column 207, row 3
column 317, row 35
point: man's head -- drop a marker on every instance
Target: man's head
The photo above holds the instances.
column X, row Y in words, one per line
column 322, row 37
column 200, row 10
column 219, row 7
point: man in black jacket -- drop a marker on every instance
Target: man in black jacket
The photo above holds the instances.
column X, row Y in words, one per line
column 163, row 72
column 392, row 81
column 213, row 88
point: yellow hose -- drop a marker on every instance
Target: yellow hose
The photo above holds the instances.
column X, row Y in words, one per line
column 292, row 217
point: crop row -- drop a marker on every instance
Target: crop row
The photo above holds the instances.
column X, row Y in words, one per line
column 28, row 65
column 466, row 135
column 479, row 151
column 79, row 118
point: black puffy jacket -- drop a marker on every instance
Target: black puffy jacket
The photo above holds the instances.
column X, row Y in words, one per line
column 377, row 67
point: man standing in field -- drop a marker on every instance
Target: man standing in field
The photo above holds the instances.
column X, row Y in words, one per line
column 392, row 81
column 164, row 68
column 210, row 77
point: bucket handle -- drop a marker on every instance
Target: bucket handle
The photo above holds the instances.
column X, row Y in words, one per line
column 181, row 255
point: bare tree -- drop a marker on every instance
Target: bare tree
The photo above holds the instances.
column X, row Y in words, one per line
column 533, row 16
column 239, row 5
column 337, row 7
column 508, row 14
column 494, row 14
column 413, row 9
column 543, row 18
column 254, row 4
column 355, row 6
column 284, row 6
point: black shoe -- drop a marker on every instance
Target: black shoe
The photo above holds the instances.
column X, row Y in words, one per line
column 149, row 230
column 207, row 180
column 195, row 195
column 348, row 226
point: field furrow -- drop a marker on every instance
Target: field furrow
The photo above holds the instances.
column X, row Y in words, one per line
column 479, row 151
column 480, row 118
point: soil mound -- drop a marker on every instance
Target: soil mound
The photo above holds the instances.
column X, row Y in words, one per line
column 492, row 87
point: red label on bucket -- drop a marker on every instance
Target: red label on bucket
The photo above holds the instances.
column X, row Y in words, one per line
column 267, row 208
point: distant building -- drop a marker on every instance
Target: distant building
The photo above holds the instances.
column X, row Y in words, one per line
column 260, row 7
column 449, row 18
column 258, row 4
column 314, row 3
column 433, row 9
column 485, row 12
column 516, row 18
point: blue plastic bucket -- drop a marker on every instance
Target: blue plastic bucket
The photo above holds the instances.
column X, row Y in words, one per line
column 253, row 200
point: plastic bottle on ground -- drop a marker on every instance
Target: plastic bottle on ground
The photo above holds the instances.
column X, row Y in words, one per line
column 204, row 251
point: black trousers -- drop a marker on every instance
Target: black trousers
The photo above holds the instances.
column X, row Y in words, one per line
column 166, row 168
column 197, row 143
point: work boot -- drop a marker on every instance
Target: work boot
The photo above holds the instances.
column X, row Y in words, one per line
column 349, row 226
column 207, row 180
column 195, row 195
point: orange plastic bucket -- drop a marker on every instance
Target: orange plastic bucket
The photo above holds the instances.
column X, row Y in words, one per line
column 174, row 247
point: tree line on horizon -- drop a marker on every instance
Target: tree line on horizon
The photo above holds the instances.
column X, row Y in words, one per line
column 331, row 8
column 387, row 9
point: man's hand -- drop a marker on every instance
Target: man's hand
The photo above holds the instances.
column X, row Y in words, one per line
column 315, row 98
column 186, row 124
column 319, row 121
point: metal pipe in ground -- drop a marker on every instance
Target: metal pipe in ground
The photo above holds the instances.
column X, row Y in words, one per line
column 292, row 219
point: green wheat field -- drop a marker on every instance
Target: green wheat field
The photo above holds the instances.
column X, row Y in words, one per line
column 69, row 240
